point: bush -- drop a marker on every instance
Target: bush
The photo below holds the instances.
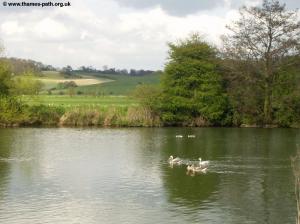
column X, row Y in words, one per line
column 11, row 111
column 287, row 114
column 44, row 115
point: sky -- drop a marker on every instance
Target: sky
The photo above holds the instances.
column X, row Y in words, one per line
column 114, row 33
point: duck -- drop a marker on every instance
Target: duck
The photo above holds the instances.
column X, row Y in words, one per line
column 192, row 168
column 176, row 160
column 203, row 163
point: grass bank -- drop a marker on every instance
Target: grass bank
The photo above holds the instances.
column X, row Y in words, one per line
column 15, row 112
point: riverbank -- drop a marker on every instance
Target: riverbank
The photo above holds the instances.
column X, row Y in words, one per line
column 49, row 116
column 15, row 113
column 79, row 116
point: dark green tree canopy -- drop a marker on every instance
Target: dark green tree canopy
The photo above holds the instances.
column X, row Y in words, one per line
column 191, row 83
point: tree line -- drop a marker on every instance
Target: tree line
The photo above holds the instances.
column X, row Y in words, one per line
column 20, row 66
column 253, row 79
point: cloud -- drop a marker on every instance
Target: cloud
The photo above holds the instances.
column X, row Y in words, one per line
column 100, row 34
column 109, row 33
column 12, row 28
column 174, row 7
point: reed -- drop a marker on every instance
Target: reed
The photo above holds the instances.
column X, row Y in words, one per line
column 110, row 117
column 80, row 117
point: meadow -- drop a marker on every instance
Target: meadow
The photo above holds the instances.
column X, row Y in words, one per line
column 80, row 101
column 50, row 79
column 122, row 84
column 96, row 84
column 98, row 100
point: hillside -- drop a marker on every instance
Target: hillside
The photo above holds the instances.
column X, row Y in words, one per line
column 95, row 83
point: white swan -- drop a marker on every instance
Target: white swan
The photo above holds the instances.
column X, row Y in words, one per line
column 193, row 168
column 179, row 136
column 203, row 163
column 177, row 160
column 191, row 136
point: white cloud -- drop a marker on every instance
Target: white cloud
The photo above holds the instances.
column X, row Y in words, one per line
column 12, row 28
column 106, row 33
column 50, row 29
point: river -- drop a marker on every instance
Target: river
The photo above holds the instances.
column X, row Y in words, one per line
column 87, row 176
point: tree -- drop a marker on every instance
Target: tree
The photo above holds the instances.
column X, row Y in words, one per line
column 263, row 37
column 67, row 71
column 5, row 76
column 147, row 95
column 26, row 85
column 191, row 84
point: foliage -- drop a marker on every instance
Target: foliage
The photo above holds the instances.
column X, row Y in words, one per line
column 43, row 115
column 26, row 85
column 191, row 83
column 67, row 71
column 255, row 52
column 21, row 66
column 11, row 111
column 147, row 95
column 5, row 78
column 66, row 85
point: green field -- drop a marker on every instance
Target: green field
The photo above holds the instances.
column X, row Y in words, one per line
column 50, row 79
column 80, row 101
column 122, row 85
column 108, row 84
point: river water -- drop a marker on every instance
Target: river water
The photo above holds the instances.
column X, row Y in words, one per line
column 87, row 176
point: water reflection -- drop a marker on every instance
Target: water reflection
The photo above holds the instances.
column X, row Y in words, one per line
column 122, row 175
column 245, row 178
column 5, row 145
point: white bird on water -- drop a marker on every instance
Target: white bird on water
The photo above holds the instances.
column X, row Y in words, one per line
column 203, row 163
column 191, row 136
column 192, row 168
column 179, row 136
column 176, row 160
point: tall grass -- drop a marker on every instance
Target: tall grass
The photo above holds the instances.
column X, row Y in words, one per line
column 15, row 113
column 110, row 117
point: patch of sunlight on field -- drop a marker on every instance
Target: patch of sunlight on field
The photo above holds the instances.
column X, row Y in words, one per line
column 79, row 82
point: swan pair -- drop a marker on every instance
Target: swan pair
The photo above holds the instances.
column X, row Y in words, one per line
column 201, row 167
column 189, row 136
column 196, row 169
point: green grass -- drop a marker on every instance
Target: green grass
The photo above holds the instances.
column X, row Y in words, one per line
column 80, row 101
column 123, row 85
column 50, row 79
column 52, row 75
column 114, row 85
